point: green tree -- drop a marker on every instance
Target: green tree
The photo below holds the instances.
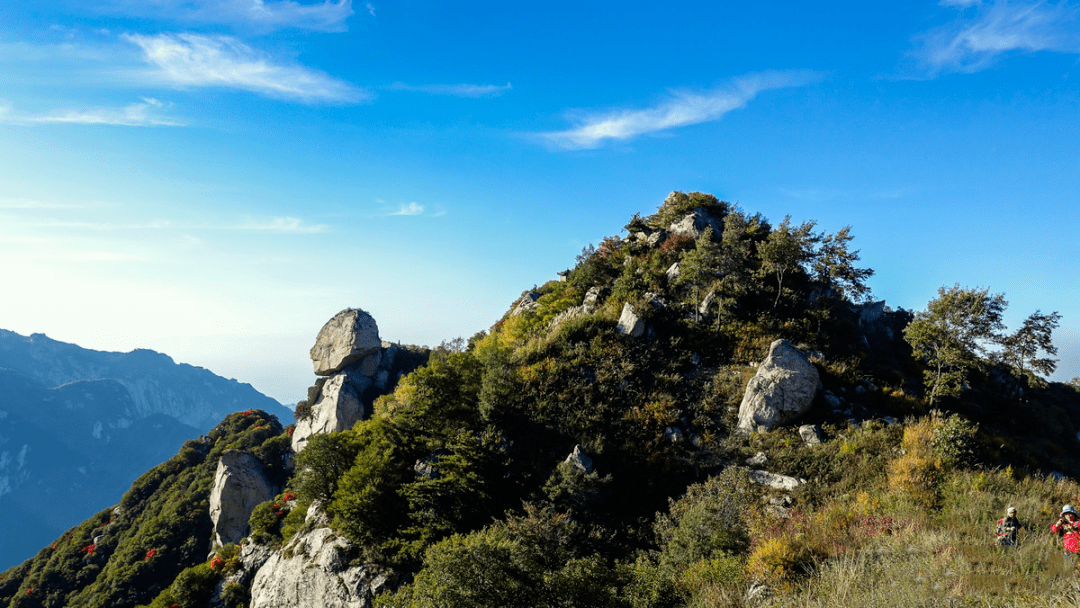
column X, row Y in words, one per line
column 1021, row 348
column 698, row 266
column 834, row 268
column 786, row 250
column 949, row 335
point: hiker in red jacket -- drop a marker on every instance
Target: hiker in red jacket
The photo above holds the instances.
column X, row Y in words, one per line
column 1068, row 528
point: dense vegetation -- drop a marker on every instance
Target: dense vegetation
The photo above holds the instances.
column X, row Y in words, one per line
column 459, row 483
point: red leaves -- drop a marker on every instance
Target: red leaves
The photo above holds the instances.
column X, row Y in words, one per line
column 150, row 554
column 88, row 549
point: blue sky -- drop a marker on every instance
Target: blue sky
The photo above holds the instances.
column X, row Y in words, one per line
column 216, row 179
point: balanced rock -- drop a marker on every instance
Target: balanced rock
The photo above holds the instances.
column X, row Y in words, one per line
column 239, row 485
column 782, row 389
column 347, row 338
column 312, row 571
column 337, row 408
column 630, row 324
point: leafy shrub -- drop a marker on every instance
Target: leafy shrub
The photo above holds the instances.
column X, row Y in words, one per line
column 710, row 520
column 955, row 442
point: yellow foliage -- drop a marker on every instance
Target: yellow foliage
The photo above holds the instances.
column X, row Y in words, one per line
column 773, row 560
column 866, row 504
column 917, row 472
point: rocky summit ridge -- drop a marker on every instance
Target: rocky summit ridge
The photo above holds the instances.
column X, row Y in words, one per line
column 708, row 410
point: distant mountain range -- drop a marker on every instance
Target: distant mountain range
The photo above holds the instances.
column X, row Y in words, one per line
column 77, row 426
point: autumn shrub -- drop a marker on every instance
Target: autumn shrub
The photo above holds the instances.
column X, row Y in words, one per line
column 916, row 474
column 774, row 561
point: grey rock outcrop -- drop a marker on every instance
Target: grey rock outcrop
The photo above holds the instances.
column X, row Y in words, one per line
column 347, row 338
column 239, row 485
column 811, row 434
column 782, row 389
column 706, row 302
column 252, row 557
column 673, row 272
column 312, row 571
column 775, row 480
column 757, row 460
column 527, row 302
column 630, row 324
column 695, row 223
column 579, row 460
column 594, row 295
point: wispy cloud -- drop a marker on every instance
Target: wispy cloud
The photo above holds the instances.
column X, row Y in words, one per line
column 409, row 209
column 683, row 109
column 455, row 90
column 370, row 8
column 197, row 60
column 972, row 43
column 325, row 16
column 147, row 113
column 292, row 225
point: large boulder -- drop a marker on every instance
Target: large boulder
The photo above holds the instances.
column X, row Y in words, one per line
column 347, row 338
column 782, row 390
column 239, row 485
column 630, row 324
column 338, row 407
column 312, row 571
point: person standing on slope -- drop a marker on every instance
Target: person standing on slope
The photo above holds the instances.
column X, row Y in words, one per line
column 1068, row 528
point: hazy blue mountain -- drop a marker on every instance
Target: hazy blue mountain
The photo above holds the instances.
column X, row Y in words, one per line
column 77, row 426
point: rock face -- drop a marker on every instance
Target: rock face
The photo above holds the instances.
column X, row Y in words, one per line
column 346, row 339
column 359, row 374
column 312, row 571
column 239, row 485
column 337, row 408
column 781, row 391
column 695, row 223
column 629, row 323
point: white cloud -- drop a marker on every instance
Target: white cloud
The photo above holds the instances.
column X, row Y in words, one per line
column 325, row 16
column 972, row 44
column 370, row 8
column 196, row 60
column 455, row 90
column 143, row 114
column 960, row 3
column 409, row 209
column 683, row 109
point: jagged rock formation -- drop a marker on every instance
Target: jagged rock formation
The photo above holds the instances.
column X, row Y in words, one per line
column 312, row 571
column 782, row 390
column 240, row 484
column 579, row 460
column 358, row 373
